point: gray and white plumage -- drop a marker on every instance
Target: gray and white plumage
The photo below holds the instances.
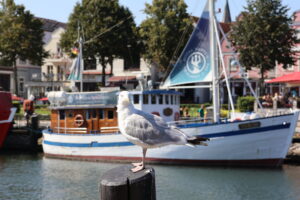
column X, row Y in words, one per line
column 147, row 130
column 144, row 129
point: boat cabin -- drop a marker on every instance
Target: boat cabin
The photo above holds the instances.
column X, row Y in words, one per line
column 164, row 103
column 84, row 112
column 96, row 112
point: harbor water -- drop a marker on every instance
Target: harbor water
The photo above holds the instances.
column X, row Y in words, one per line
column 32, row 176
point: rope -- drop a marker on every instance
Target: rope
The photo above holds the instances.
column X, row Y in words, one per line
column 107, row 30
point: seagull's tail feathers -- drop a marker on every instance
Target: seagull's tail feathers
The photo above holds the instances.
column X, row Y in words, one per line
column 197, row 140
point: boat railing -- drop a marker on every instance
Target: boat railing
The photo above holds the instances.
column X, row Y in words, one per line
column 70, row 130
column 274, row 112
column 113, row 129
column 190, row 120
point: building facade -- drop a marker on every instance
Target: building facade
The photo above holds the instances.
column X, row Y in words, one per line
column 237, row 82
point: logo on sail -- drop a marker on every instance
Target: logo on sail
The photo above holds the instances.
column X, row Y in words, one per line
column 196, row 62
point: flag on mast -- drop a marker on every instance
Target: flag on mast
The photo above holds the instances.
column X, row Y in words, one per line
column 75, row 72
column 77, row 67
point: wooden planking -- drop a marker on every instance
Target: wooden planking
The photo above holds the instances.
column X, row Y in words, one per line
column 93, row 125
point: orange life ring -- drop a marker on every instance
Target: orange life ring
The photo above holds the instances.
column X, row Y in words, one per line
column 176, row 116
column 78, row 120
column 155, row 113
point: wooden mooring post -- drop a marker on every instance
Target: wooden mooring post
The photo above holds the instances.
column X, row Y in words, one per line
column 121, row 184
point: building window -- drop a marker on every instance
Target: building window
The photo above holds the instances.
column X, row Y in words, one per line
column 21, row 84
column 110, row 114
column 233, row 65
column 90, row 64
column 59, row 73
column 131, row 63
column 50, row 69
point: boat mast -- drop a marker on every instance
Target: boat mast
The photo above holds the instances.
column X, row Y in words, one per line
column 213, row 61
column 80, row 41
column 81, row 63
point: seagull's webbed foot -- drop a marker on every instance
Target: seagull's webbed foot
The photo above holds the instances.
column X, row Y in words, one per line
column 137, row 164
column 138, row 168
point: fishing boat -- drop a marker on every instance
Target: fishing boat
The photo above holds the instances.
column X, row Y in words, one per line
column 86, row 130
column 7, row 113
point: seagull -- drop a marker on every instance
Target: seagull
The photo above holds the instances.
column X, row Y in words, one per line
column 147, row 130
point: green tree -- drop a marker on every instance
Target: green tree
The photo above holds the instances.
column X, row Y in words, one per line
column 108, row 29
column 163, row 29
column 21, row 37
column 264, row 36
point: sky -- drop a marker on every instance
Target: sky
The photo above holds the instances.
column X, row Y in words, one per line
column 60, row 10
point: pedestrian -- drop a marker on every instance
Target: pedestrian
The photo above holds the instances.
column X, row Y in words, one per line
column 201, row 111
column 28, row 108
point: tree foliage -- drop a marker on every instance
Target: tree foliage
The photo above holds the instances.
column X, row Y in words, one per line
column 21, row 37
column 163, row 29
column 263, row 36
column 108, row 29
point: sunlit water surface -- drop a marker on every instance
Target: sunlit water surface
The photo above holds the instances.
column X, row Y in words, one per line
column 24, row 177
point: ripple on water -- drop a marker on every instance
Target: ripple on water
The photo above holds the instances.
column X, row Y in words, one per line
column 32, row 177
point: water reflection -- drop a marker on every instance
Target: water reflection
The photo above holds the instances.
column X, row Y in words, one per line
column 36, row 177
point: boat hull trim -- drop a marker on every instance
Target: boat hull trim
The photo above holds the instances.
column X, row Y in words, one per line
column 231, row 144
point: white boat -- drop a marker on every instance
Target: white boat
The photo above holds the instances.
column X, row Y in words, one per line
column 83, row 125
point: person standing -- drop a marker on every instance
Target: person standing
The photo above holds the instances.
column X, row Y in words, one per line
column 28, row 108
column 201, row 111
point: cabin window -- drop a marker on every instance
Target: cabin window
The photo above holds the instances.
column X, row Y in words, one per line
column 136, row 99
column 88, row 114
column 70, row 114
column 145, row 99
column 110, row 114
column 94, row 113
column 160, row 99
column 101, row 114
column 61, row 114
column 153, row 99
column 172, row 99
column 167, row 99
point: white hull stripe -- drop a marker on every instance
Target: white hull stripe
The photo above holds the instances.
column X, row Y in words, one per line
column 92, row 144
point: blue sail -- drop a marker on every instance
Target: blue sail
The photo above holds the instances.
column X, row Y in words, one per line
column 193, row 65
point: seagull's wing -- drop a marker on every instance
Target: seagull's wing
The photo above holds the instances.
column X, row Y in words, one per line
column 147, row 129
column 157, row 119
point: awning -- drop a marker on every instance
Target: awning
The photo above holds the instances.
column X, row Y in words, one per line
column 288, row 78
column 121, row 78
